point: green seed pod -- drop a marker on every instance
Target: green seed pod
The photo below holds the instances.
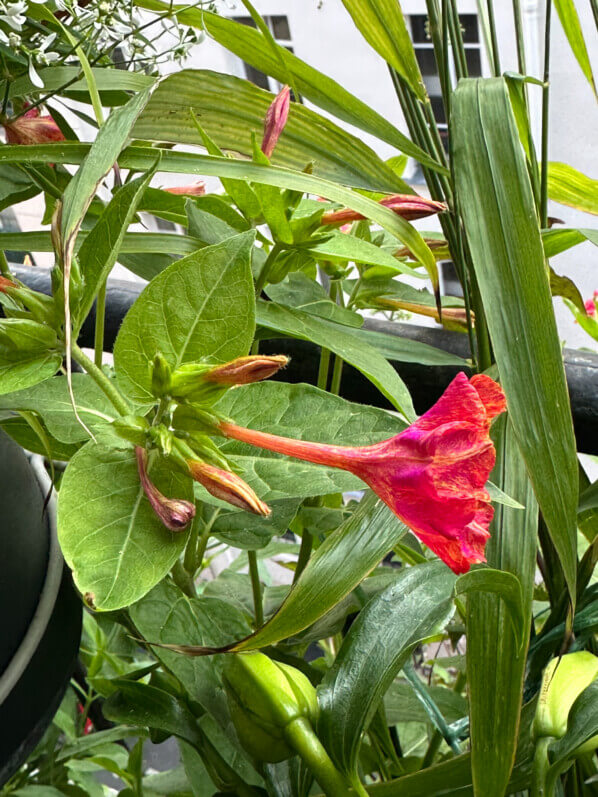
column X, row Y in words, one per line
column 265, row 698
column 563, row 681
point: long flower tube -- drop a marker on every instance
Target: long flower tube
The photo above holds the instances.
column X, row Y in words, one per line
column 431, row 475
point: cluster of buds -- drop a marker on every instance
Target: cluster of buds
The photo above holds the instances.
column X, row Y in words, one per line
column 32, row 128
column 407, row 206
column 194, row 387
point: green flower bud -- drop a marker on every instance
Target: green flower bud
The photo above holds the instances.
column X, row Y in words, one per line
column 265, row 699
column 563, row 681
column 188, row 383
column 161, row 376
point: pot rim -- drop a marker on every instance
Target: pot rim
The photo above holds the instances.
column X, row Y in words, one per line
column 49, row 592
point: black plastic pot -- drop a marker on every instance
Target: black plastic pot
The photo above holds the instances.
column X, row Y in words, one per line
column 41, row 614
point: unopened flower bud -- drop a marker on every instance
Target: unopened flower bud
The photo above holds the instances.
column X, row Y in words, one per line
column 227, row 486
column 6, row 284
column 188, row 383
column 31, row 128
column 265, row 697
column 275, row 121
column 175, row 513
column 245, row 370
column 161, row 376
column 193, row 189
column 564, row 679
column 452, row 317
column 408, row 206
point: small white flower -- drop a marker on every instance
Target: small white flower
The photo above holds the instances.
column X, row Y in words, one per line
column 34, row 77
column 14, row 16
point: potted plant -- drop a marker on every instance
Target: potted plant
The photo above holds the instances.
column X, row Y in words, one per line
column 182, row 449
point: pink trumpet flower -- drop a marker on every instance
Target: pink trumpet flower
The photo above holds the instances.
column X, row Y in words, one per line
column 408, row 206
column 431, row 475
column 31, row 128
column 275, row 121
column 193, row 189
column 175, row 513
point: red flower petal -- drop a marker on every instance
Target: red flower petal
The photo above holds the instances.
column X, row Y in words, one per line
column 492, row 395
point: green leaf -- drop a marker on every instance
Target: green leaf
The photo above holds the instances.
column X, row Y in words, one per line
column 568, row 186
column 15, row 186
column 499, row 582
column 401, row 704
column 249, row 45
column 498, row 622
column 341, row 247
column 501, row 225
column 308, row 137
column 143, row 158
column 299, row 291
column 54, row 77
column 50, row 401
column 112, row 540
column 110, row 140
column 407, row 350
column 582, row 724
column 559, row 239
column 102, row 245
column 22, row 368
column 169, row 616
column 415, row 607
column 382, row 25
column 132, row 243
column 21, row 431
column 574, row 33
column 239, row 531
column 198, row 308
column 335, row 569
column 341, row 341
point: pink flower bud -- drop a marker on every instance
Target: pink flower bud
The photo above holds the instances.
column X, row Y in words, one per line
column 175, row 513
column 5, row 284
column 193, row 189
column 590, row 305
column 432, row 475
column 245, row 370
column 227, row 487
column 31, row 128
column 408, row 206
column 275, row 121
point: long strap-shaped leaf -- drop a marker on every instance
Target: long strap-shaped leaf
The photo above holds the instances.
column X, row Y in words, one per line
column 336, row 568
column 502, row 229
column 416, row 606
column 382, row 25
column 495, row 660
column 144, row 158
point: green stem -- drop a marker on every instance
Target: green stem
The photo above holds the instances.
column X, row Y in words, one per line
column 337, row 373
column 301, row 737
column 323, row 369
column 540, row 768
column 493, row 38
column 256, row 588
column 191, row 548
column 183, row 580
column 454, row 24
column 545, row 120
column 262, row 277
column 307, row 543
column 519, row 36
column 99, row 330
column 202, row 542
column 101, row 380
column 594, row 4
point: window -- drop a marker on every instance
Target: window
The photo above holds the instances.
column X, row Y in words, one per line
column 424, row 52
column 278, row 25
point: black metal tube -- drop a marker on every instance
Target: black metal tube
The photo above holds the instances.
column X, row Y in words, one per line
column 426, row 384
